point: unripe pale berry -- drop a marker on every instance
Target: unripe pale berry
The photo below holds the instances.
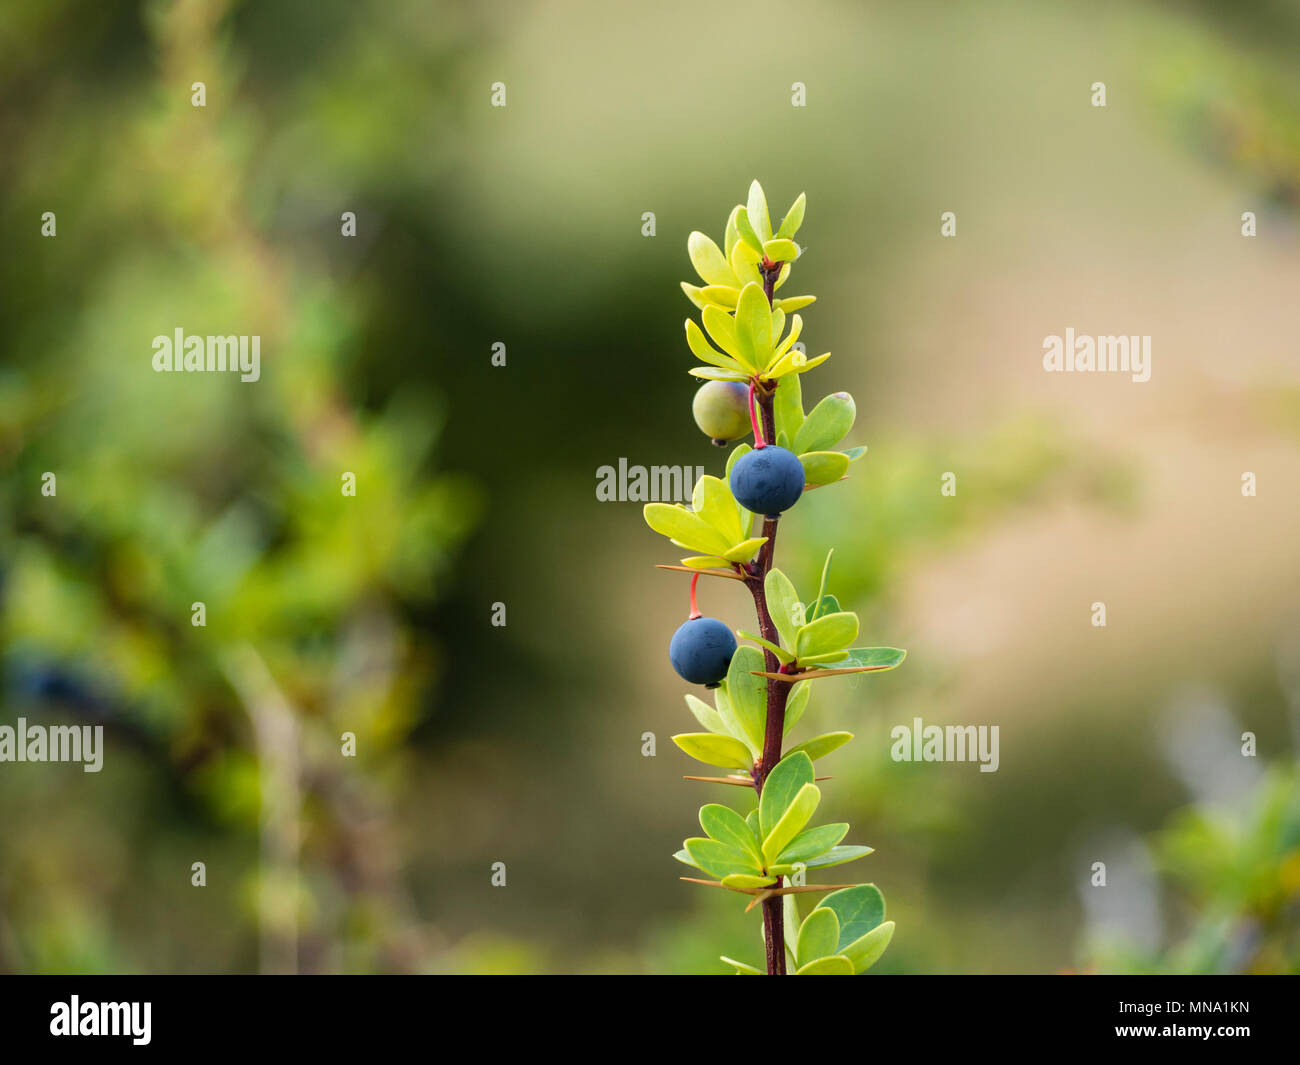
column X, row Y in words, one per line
column 721, row 410
column 701, row 650
column 767, row 480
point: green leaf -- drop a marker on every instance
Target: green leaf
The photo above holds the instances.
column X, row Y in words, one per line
column 829, row 659
column 833, row 632
column 796, row 815
column 823, row 467
column 747, row 234
column 746, row 549
column 827, row 424
column 827, row 604
column 783, row 656
column 784, row 606
column 819, row 937
column 726, row 826
column 741, row 968
column 790, row 910
column 812, row 843
column 821, row 585
column 855, row 453
column 747, row 694
column 838, row 856
column 787, row 406
column 718, row 859
column 821, row 746
column 859, row 909
column 747, row 881
column 706, row 715
column 793, row 218
column 836, row 965
column 677, row 523
column 865, row 952
column 880, row 658
column 780, row 788
column 756, row 210
column 753, row 327
column 795, row 705
column 712, row 749
column 684, row 858
column 723, row 703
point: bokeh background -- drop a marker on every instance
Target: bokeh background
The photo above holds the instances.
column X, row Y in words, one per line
column 522, row 744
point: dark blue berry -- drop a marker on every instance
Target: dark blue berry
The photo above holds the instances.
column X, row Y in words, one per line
column 767, row 480
column 701, row 650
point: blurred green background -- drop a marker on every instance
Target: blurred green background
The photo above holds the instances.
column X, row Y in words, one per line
column 522, row 225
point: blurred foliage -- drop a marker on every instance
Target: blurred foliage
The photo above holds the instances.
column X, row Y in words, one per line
column 1235, row 876
column 186, row 489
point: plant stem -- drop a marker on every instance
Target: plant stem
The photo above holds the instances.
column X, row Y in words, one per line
column 777, row 696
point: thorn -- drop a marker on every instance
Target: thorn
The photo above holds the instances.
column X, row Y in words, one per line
column 768, row 893
column 706, row 883
column 810, row 487
column 740, row 781
column 813, row 674
column 729, row 574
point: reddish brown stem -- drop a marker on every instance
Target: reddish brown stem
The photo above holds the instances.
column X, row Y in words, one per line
column 777, row 695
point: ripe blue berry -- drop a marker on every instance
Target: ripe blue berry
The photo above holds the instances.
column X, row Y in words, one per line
column 701, row 650
column 767, row 480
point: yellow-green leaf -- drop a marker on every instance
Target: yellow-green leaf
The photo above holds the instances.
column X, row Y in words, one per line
column 712, row 500
column 727, row 752
column 680, row 525
column 745, row 550
column 793, row 218
column 705, row 562
column 747, row 882
column 702, row 350
column 781, row 250
column 794, row 303
column 820, row 746
column 708, row 260
column 756, row 210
